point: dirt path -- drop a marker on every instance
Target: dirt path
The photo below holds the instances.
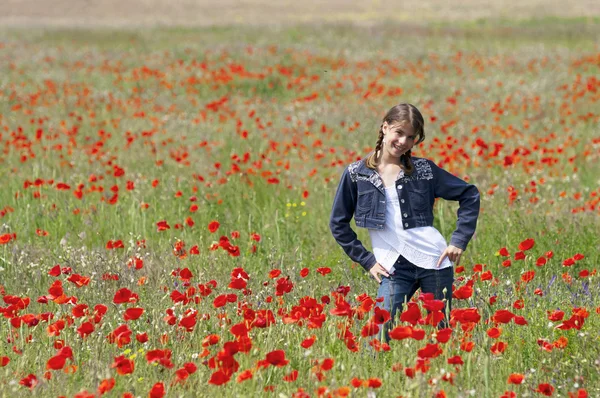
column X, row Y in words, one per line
column 132, row 13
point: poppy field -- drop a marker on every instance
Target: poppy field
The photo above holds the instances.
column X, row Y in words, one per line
column 166, row 194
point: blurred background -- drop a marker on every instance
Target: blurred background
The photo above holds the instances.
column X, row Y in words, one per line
column 131, row 13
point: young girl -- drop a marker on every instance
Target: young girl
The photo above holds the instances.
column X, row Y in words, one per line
column 391, row 193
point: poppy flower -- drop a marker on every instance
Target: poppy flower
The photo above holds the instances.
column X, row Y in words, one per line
column 515, row 378
column 545, row 389
column 502, row 316
column 308, row 342
column 443, row 335
column 244, row 375
column 162, row 226
column 456, row 360
column 381, row 316
column 131, row 314
column 277, row 358
column 526, row 244
column 157, row 391
column 291, row 376
column 106, row 385
column 503, row 252
column 123, row 365
column 219, row 378
column 498, row 348
column 213, row 226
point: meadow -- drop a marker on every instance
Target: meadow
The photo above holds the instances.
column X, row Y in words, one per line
column 165, row 200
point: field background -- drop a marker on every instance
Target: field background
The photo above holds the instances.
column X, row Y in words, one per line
column 118, row 119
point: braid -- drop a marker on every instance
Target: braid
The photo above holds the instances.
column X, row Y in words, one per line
column 407, row 164
column 379, row 145
column 375, row 158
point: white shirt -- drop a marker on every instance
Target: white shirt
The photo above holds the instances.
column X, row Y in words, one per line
column 422, row 246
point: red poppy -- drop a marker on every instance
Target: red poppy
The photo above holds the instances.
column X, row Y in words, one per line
column 308, row 342
column 213, row 226
column 503, row 252
column 54, row 271
column 85, row 329
column 124, row 295
column 277, row 358
column 370, row 329
column 30, row 381
column 443, row 335
column 526, row 244
column 131, row 314
column 401, row 332
column 502, row 316
column 568, row 262
column 519, row 256
column 430, row 351
column 56, row 362
column 498, row 348
column 541, row 261
column 381, row 316
column 373, row 382
column 545, row 389
column 274, row 273
column 291, row 376
column 456, row 360
column 142, row 337
column 162, row 226
column 515, row 378
column 157, row 391
column 463, row 292
column 123, row 365
column 219, row 377
column 412, row 314
column 106, row 385
column 494, row 333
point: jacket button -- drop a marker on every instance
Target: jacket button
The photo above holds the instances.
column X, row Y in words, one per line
column 406, row 224
column 405, row 215
column 399, row 186
column 401, row 200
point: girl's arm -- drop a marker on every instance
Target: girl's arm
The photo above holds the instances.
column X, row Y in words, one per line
column 450, row 187
column 342, row 212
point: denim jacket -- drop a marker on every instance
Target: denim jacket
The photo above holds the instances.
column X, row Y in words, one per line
column 361, row 194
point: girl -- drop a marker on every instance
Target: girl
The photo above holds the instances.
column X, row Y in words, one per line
column 391, row 193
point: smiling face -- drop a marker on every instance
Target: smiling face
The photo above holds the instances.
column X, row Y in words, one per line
column 399, row 138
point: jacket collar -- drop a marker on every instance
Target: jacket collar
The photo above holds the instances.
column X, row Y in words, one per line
column 372, row 176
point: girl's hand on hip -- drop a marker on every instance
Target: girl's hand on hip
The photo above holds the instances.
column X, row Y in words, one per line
column 377, row 270
column 453, row 253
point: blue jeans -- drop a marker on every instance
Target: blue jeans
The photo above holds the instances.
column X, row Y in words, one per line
column 402, row 284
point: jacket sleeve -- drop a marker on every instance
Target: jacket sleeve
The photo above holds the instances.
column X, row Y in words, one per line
column 342, row 212
column 450, row 187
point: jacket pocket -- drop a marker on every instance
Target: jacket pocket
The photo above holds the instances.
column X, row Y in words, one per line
column 419, row 199
column 364, row 203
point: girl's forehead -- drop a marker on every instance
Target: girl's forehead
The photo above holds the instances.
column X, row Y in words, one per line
column 404, row 125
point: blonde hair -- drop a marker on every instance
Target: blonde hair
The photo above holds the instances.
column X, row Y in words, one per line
column 399, row 114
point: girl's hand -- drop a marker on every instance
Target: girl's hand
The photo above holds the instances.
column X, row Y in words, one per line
column 453, row 253
column 377, row 270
